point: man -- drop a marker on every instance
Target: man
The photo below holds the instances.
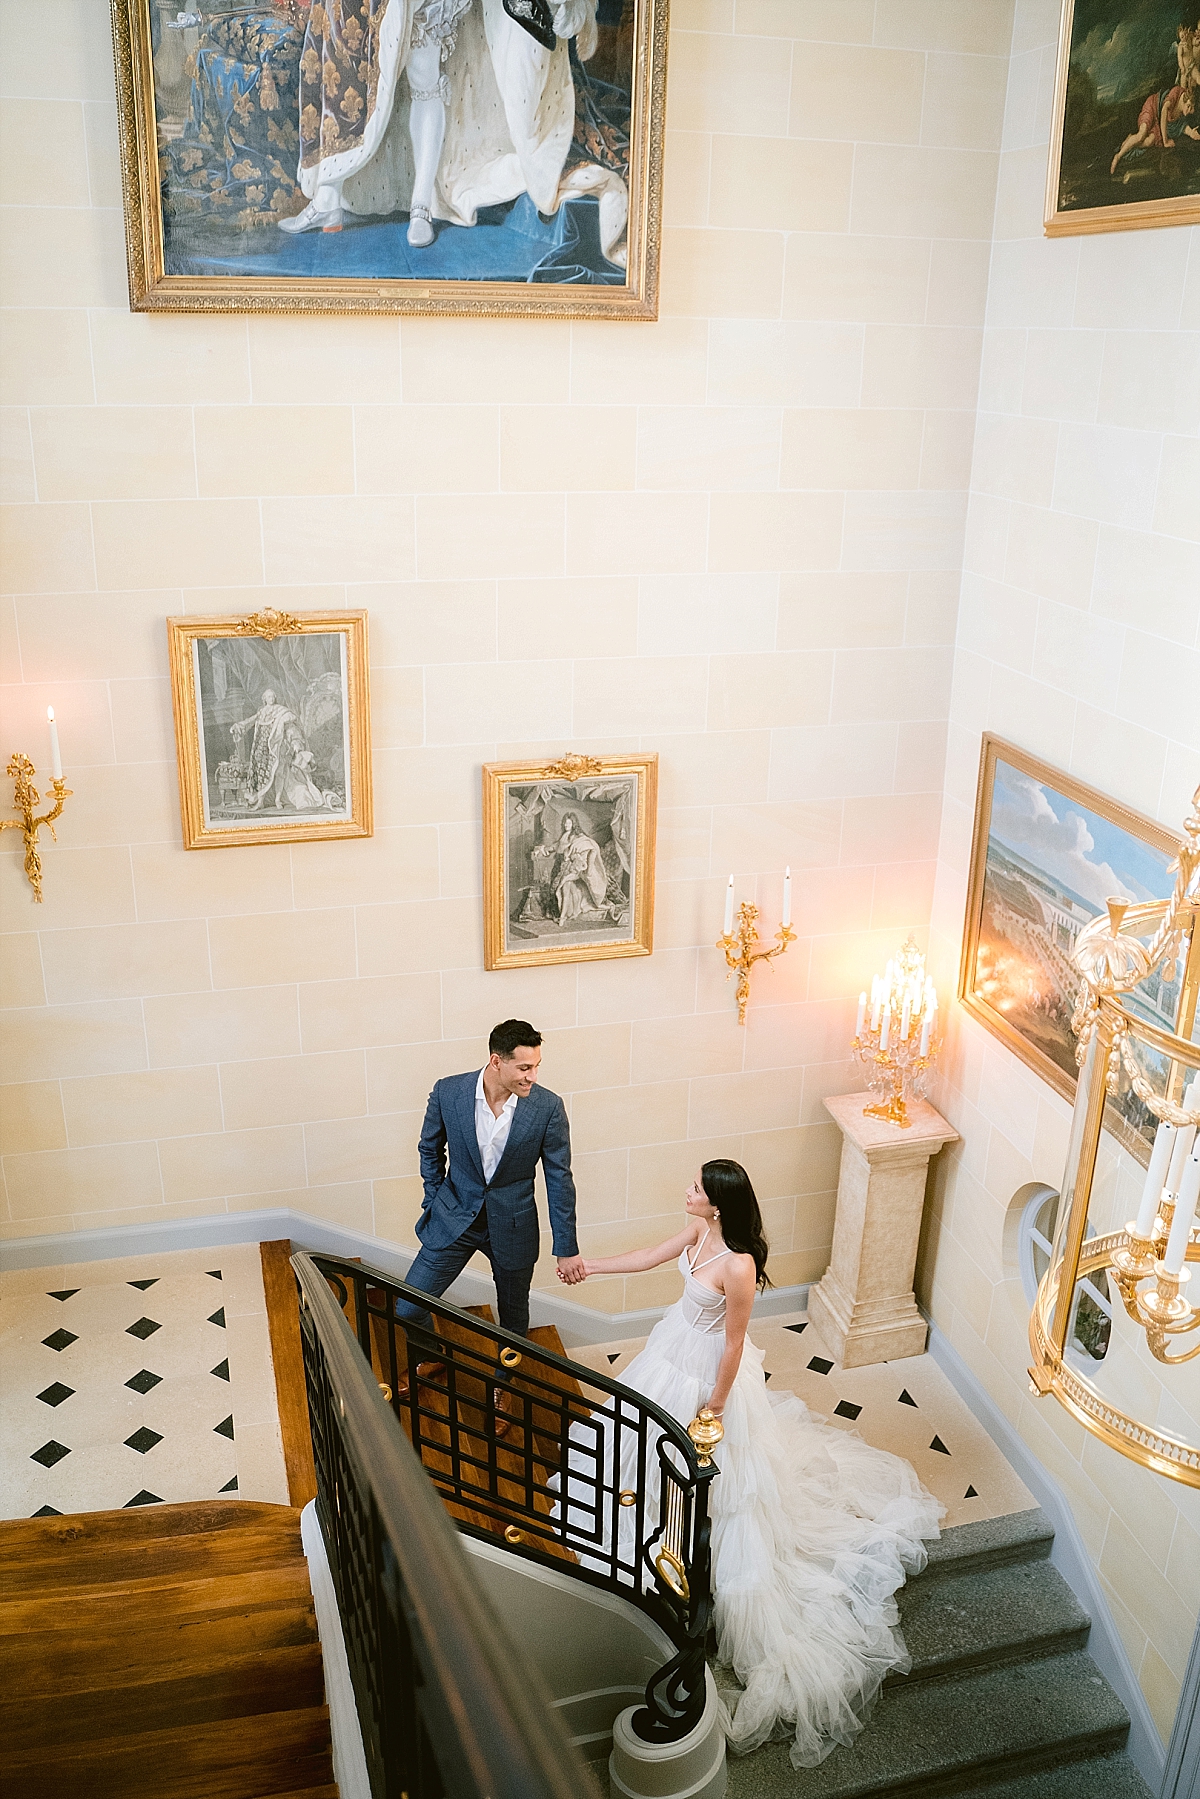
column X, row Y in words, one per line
column 496, row 1124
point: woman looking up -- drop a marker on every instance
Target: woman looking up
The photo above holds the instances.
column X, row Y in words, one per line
column 813, row 1530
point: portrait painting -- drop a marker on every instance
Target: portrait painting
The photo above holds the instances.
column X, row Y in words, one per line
column 568, row 852
column 1125, row 140
column 420, row 156
column 1048, row 854
column 271, row 727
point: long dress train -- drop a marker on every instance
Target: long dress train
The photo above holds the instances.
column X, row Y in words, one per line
column 813, row 1531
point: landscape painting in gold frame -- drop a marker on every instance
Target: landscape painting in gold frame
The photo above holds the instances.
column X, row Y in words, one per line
column 568, row 859
column 1125, row 131
column 272, row 727
column 1048, row 853
column 486, row 157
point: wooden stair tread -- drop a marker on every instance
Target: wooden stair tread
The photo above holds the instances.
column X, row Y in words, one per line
column 223, row 1596
column 157, row 1561
column 123, row 1650
column 228, row 1687
column 248, row 1758
column 40, row 1539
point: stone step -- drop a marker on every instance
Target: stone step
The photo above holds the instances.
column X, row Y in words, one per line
column 986, row 1616
column 1111, row 1777
column 940, row 1737
column 1026, row 1536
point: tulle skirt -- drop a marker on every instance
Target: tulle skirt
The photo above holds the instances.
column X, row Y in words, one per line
column 813, row 1531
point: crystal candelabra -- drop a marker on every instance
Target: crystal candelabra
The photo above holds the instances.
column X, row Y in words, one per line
column 894, row 1035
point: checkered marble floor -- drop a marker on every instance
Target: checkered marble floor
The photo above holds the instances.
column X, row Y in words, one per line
column 907, row 1407
column 135, row 1382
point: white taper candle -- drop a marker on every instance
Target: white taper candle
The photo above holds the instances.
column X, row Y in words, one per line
column 729, row 908
column 885, row 1029
column 1156, row 1174
column 1185, row 1212
column 926, row 1027
column 787, row 895
column 55, row 757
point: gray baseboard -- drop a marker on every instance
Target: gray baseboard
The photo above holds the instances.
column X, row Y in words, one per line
column 578, row 1325
column 1069, row 1555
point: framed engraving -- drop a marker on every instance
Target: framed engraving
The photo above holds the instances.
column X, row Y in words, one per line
column 1047, row 855
column 1125, row 135
column 568, row 859
column 488, row 157
column 272, row 727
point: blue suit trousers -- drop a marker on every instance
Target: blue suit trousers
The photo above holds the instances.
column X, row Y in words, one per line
column 436, row 1269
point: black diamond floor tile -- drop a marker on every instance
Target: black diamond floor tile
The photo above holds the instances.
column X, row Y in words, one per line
column 142, row 1285
column 143, row 1380
column 970, row 1493
column 145, row 1327
column 845, row 1408
column 906, row 1398
column 50, row 1453
column 225, row 1428
column 56, row 1394
column 61, row 1293
column 143, row 1498
column 59, row 1339
column 939, row 1446
column 819, row 1365
column 143, row 1440
column 614, row 1358
column 230, row 1486
column 798, row 1328
column 46, row 1511
column 218, row 1318
column 221, row 1370
column 214, row 1273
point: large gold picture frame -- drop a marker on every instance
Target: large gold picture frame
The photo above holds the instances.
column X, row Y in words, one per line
column 568, row 859
column 1045, row 845
column 1127, row 89
column 230, row 112
column 272, row 727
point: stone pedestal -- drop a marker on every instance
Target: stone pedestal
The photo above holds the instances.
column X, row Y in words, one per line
column 863, row 1307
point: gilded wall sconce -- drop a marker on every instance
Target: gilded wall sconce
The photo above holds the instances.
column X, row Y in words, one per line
column 26, row 799
column 740, row 953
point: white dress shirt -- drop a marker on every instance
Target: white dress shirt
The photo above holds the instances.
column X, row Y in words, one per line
column 491, row 1132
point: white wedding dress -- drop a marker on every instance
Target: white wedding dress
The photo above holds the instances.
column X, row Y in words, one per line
column 813, row 1531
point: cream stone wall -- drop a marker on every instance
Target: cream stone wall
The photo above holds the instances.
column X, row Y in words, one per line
column 733, row 537
column 1078, row 639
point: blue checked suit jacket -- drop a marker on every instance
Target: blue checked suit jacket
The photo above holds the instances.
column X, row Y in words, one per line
column 457, row 1193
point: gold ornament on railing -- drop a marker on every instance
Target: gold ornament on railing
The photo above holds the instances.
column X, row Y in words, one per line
column 894, row 1036
column 1147, row 1261
column 740, row 953
column 26, row 799
column 706, row 1431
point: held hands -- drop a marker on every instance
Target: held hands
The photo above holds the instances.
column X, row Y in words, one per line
column 572, row 1270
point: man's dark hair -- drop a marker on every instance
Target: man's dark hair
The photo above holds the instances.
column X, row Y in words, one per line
column 512, row 1035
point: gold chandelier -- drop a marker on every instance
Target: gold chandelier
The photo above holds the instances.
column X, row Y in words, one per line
column 1148, row 1261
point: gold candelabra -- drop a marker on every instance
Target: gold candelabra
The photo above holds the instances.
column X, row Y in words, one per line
column 741, row 955
column 893, row 1037
column 25, row 798
column 1147, row 1261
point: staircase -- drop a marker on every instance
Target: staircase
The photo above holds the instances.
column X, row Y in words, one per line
column 1003, row 1701
column 168, row 1650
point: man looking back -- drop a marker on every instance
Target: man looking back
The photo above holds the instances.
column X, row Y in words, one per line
column 483, row 1136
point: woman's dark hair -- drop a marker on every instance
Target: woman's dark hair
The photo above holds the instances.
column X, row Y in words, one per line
column 728, row 1190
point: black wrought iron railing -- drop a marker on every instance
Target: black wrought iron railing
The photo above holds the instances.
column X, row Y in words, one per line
column 446, row 1708
column 561, row 1464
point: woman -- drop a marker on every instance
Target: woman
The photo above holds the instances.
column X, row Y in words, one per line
column 813, row 1530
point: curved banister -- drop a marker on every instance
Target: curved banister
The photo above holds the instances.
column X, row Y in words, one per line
column 607, row 1488
column 445, row 1703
